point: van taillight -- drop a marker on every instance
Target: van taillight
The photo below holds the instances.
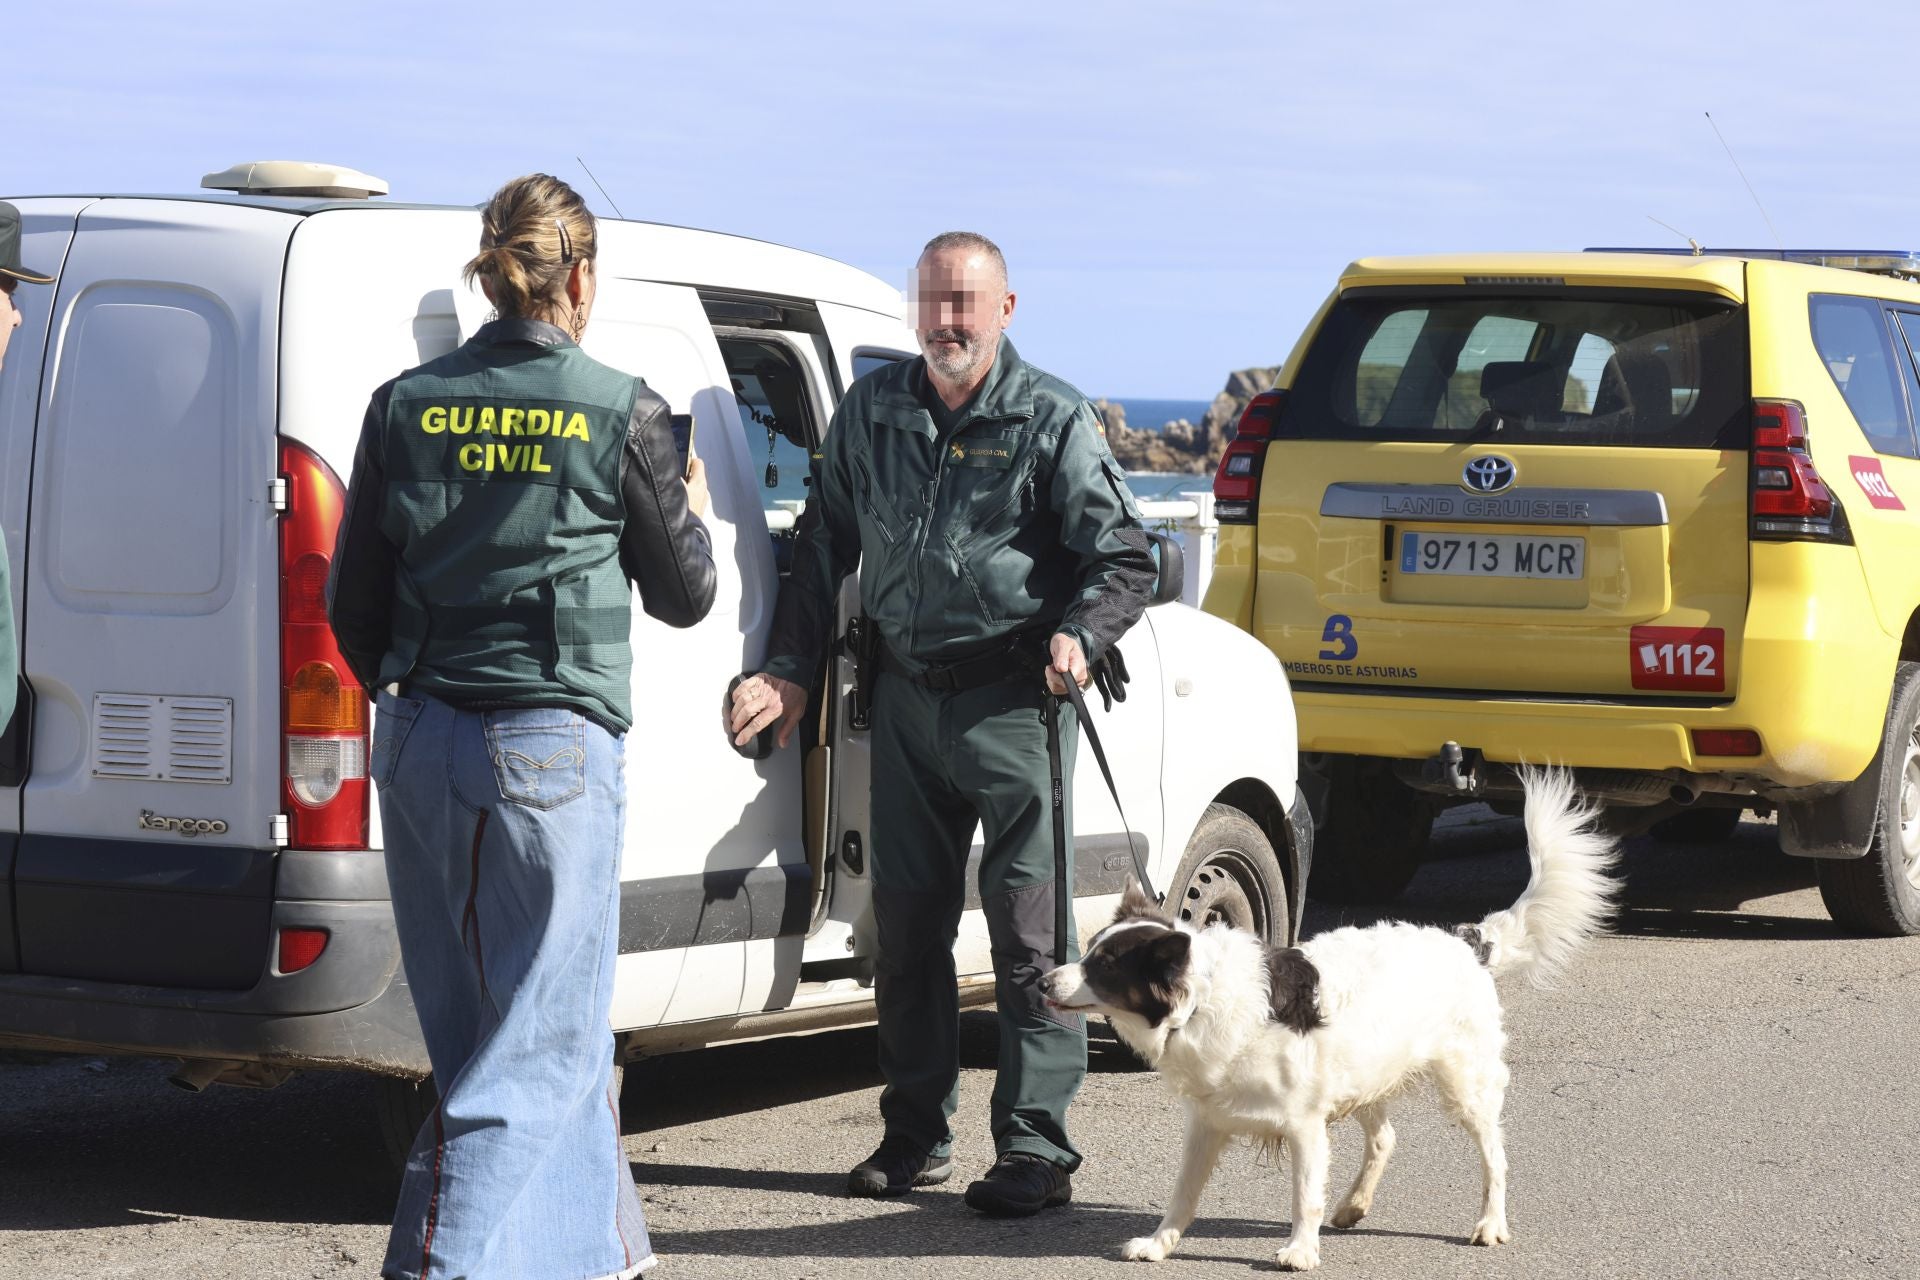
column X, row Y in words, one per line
column 1790, row 501
column 323, row 713
column 1236, row 485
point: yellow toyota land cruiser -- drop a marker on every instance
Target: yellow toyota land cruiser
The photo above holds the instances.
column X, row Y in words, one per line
column 1639, row 513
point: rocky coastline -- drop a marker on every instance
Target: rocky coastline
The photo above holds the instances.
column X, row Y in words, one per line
column 1180, row 445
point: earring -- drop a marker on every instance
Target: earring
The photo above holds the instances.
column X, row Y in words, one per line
column 579, row 325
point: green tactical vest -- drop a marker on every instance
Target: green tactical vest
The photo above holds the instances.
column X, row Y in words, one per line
column 503, row 496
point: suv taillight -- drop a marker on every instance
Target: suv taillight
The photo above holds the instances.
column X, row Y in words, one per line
column 323, row 712
column 1790, row 501
column 1236, row 485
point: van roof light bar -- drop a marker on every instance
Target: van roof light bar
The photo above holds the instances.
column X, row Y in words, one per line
column 296, row 178
column 1887, row 262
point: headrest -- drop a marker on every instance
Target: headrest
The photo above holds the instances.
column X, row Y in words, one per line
column 1637, row 380
column 1523, row 388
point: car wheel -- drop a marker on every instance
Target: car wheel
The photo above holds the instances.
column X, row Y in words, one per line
column 1698, row 826
column 1231, row 876
column 1370, row 830
column 401, row 1107
column 1880, row 893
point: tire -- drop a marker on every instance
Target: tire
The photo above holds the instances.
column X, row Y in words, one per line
column 1370, row 831
column 1698, row 826
column 1230, row 874
column 401, row 1107
column 1879, row 894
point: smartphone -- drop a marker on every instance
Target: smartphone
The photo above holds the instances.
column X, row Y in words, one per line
column 682, row 427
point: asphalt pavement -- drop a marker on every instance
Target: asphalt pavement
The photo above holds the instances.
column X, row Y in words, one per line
column 1726, row 1087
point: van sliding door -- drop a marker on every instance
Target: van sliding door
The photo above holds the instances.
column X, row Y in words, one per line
column 714, row 879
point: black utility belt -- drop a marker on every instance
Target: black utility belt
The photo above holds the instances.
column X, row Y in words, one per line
column 1020, row 658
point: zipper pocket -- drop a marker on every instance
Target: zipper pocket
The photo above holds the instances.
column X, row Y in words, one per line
column 1019, row 494
column 878, row 510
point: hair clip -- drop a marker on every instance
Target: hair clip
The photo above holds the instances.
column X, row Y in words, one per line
column 566, row 241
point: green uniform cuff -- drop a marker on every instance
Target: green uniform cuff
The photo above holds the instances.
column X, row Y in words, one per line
column 1085, row 637
column 787, row 667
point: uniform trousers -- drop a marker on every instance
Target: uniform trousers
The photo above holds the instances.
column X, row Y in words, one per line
column 942, row 762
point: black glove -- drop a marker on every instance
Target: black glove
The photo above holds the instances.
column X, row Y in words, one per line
column 1110, row 677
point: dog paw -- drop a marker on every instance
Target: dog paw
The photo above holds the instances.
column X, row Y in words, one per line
column 1298, row 1256
column 1490, row 1232
column 1146, row 1249
column 1348, row 1214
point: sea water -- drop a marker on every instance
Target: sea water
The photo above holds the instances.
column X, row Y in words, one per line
column 790, row 461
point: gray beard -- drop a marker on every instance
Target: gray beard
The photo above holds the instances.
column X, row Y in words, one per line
column 963, row 364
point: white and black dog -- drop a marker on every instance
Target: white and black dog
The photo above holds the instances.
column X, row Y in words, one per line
column 1275, row 1045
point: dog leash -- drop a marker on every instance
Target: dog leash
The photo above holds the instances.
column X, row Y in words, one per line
column 1099, row 754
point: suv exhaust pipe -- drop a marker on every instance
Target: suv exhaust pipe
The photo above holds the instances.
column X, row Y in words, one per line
column 195, row 1074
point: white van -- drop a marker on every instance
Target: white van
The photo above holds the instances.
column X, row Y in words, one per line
column 190, row 860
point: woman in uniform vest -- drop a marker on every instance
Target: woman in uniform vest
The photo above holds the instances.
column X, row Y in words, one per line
column 502, row 498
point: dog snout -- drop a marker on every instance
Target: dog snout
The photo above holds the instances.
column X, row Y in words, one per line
column 1061, row 986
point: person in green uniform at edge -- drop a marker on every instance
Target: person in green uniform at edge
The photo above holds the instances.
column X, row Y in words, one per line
column 999, row 552
column 12, row 275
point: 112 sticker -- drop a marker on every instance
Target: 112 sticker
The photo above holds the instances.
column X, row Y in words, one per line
column 1690, row 659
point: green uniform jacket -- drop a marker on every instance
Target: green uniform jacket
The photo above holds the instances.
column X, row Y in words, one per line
column 502, row 496
column 9, row 653
column 1018, row 520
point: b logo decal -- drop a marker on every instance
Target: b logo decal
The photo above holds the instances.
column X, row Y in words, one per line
column 1339, row 633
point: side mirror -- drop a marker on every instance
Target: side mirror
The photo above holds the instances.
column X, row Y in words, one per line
column 1172, row 559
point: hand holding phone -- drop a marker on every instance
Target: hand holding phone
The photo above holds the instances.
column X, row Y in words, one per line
column 681, row 425
column 697, row 487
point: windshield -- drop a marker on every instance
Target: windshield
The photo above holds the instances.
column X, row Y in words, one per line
column 1612, row 367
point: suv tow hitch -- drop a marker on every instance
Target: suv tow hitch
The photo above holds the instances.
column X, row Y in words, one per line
column 1455, row 769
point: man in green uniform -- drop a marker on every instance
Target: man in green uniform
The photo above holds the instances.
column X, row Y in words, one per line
column 999, row 552
column 12, row 274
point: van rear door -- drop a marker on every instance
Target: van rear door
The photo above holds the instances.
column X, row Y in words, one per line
column 1534, row 489
column 46, row 233
column 151, row 603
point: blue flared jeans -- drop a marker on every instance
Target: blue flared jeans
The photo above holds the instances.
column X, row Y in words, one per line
column 503, row 833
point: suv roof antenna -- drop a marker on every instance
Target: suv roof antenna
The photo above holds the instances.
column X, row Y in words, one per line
column 1778, row 242
column 1697, row 250
column 603, row 191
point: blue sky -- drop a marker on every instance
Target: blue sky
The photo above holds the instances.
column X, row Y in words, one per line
column 1176, row 185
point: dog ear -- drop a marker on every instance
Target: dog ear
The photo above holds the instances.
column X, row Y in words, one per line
column 1294, row 993
column 1171, row 948
column 1135, row 904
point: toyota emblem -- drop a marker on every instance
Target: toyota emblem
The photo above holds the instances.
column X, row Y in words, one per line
column 1490, row 474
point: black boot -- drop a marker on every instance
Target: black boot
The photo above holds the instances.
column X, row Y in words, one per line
column 897, row 1167
column 1020, row 1184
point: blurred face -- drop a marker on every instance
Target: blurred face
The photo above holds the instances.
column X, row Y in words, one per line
column 961, row 306
column 9, row 315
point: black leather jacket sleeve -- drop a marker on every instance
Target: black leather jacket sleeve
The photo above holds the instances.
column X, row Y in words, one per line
column 360, row 584
column 664, row 547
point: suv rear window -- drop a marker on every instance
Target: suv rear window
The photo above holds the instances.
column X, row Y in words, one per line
column 1601, row 367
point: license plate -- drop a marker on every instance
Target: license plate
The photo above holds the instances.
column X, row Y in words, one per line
column 1493, row 555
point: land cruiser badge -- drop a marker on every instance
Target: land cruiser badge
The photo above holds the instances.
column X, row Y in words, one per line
column 188, row 827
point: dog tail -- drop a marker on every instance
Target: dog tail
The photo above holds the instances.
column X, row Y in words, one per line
column 1570, row 895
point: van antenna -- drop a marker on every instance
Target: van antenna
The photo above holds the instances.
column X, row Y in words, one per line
column 603, row 192
column 1778, row 243
column 1697, row 250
